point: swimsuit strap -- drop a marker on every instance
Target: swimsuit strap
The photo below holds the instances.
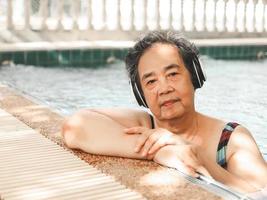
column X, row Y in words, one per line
column 222, row 146
column 152, row 122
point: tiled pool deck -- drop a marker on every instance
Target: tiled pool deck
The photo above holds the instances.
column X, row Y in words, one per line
column 33, row 167
column 86, row 53
column 147, row 178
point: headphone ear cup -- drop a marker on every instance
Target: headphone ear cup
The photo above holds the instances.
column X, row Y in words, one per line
column 200, row 75
column 138, row 96
column 201, row 71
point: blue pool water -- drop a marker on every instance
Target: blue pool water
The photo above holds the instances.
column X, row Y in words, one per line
column 234, row 90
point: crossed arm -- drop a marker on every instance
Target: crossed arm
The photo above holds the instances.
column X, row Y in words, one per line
column 97, row 133
column 103, row 132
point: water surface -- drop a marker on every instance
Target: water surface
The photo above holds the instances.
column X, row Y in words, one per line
column 234, row 90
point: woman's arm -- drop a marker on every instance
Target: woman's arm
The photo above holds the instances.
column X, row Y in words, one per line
column 98, row 133
column 125, row 116
column 224, row 176
column 245, row 159
column 191, row 159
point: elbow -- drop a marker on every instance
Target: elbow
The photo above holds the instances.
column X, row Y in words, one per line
column 70, row 132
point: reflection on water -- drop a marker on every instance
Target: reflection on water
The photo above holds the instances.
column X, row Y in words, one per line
column 234, row 90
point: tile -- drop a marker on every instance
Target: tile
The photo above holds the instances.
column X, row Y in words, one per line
column 235, row 52
column 245, row 52
column 106, row 53
column 225, row 52
column 42, row 58
column 202, row 50
column 31, row 58
column 52, row 58
column 228, row 52
column 124, row 53
column 64, row 58
column 211, row 52
column 6, row 56
column 250, row 50
column 75, row 57
column 86, row 57
column 219, row 52
column 19, row 57
column 117, row 53
column 97, row 55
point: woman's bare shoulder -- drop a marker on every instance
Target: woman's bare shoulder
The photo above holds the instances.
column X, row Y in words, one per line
column 210, row 125
column 242, row 138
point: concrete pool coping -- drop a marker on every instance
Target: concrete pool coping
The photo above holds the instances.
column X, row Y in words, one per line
column 101, row 52
column 145, row 177
column 107, row 44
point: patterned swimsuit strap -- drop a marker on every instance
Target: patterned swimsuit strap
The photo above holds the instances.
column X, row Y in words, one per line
column 222, row 146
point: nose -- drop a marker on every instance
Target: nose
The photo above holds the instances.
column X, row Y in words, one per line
column 164, row 87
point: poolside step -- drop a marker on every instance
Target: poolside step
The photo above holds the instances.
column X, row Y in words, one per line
column 33, row 167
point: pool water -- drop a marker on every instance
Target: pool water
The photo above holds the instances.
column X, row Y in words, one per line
column 234, row 90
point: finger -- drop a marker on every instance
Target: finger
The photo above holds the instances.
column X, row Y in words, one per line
column 151, row 156
column 204, row 171
column 151, row 140
column 162, row 141
column 135, row 130
column 191, row 172
column 197, row 167
column 186, row 169
column 192, row 161
column 140, row 142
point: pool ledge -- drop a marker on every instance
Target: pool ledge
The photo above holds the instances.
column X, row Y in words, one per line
column 107, row 44
column 144, row 177
column 101, row 52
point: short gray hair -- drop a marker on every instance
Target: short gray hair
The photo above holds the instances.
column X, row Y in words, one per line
column 187, row 50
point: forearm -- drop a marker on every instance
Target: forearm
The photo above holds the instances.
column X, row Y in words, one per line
column 99, row 134
column 127, row 119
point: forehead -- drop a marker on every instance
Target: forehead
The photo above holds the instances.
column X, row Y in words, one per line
column 159, row 56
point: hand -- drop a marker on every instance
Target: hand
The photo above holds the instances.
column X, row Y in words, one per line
column 151, row 140
column 182, row 157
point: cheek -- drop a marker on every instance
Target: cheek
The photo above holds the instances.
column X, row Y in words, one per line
column 185, row 89
column 151, row 100
column 150, row 97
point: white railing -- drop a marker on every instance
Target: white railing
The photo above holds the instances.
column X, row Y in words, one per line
column 198, row 17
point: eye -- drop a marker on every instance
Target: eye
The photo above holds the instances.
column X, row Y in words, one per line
column 172, row 74
column 150, row 82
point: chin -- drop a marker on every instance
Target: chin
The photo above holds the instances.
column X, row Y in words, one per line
column 170, row 115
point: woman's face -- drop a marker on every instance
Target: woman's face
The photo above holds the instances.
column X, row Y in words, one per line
column 165, row 81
